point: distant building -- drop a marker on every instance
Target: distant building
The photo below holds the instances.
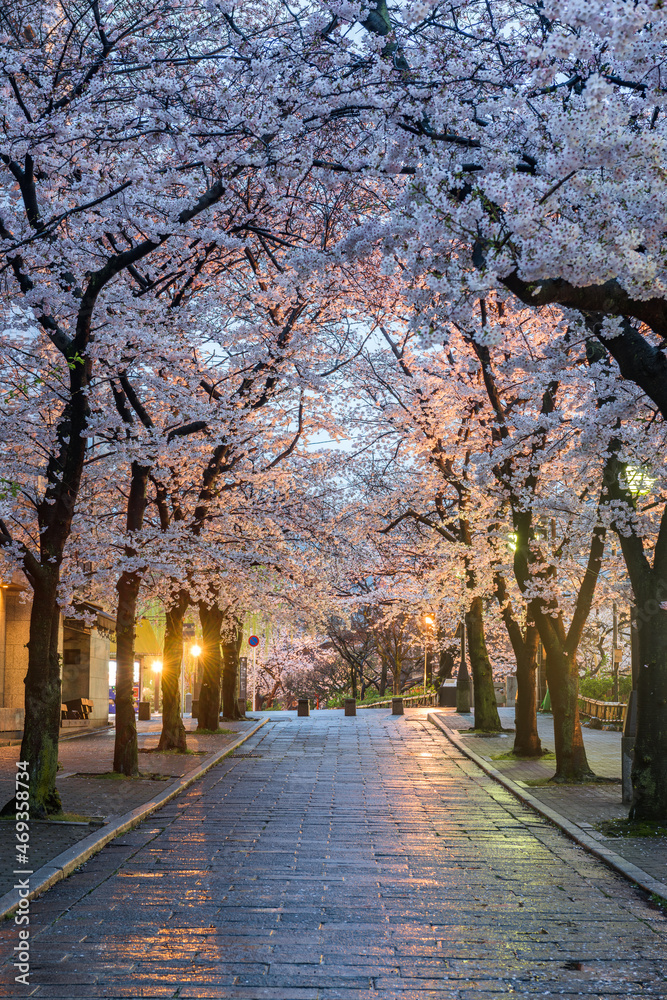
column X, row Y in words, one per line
column 84, row 651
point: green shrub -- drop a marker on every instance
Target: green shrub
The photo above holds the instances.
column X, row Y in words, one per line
column 601, row 687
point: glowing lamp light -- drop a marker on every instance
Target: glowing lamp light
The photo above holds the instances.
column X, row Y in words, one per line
column 157, row 666
column 429, row 619
column 195, row 650
column 638, row 480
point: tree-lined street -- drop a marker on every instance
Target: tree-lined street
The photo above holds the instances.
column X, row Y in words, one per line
column 344, row 858
column 333, row 368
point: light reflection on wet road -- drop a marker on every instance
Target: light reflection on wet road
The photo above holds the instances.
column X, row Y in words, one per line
column 345, row 859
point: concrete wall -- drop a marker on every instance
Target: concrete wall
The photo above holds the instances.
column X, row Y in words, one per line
column 98, row 682
column 16, row 633
column 86, row 669
column 85, row 662
column 510, row 689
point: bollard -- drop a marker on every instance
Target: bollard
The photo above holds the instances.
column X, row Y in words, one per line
column 350, row 706
column 303, row 707
column 144, row 711
column 397, row 706
column 447, row 694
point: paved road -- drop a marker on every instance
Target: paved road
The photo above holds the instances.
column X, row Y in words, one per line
column 347, row 859
column 588, row 805
column 84, row 794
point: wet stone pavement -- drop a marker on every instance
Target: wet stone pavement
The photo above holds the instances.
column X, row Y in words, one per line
column 342, row 858
column 85, row 793
column 589, row 805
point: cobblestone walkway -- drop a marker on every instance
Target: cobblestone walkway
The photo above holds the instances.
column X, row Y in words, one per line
column 603, row 747
column 85, row 795
column 345, row 859
column 587, row 805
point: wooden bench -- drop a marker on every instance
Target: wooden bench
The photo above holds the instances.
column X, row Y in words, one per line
column 79, row 708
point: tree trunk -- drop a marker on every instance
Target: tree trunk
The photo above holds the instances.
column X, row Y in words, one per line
column 486, row 710
column 649, row 585
column 428, row 663
column 527, row 742
column 172, row 736
column 524, row 644
column 463, row 677
column 231, row 647
column 126, row 754
column 561, row 649
column 563, row 680
column 649, row 771
column 41, row 731
column 209, row 695
column 383, row 674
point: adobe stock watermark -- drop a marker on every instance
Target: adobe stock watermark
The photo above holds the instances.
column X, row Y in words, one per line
column 22, row 850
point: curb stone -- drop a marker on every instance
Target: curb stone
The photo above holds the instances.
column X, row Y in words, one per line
column 64, row 739
column 65, row 863
column 610, row 858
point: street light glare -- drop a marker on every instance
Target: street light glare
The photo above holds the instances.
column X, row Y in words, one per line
column 195, row 650
column 157, row 666
column 429, row 619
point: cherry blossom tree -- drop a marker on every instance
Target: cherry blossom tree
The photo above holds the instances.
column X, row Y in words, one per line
column 128, row 158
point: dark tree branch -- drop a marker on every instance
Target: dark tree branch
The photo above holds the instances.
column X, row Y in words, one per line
column 186, row 429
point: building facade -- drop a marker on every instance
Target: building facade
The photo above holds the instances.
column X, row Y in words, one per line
column 84, row 651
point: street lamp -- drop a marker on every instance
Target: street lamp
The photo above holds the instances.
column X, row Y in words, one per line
column 428, row 620
column 156, row 667
column 195, row 652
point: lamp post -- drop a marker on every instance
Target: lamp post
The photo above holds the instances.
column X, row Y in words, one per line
column 428, row 620
column 195, row 653
column 616, row 652
column 157, row 670
column 253, row 642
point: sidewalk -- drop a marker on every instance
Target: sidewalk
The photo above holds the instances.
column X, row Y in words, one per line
column 588, row 805
column 88, row 792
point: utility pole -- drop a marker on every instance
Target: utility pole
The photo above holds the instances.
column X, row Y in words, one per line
column 429, row 620
column 616, row 652
column 425, row 662
column 254, row 675
column 463, row 679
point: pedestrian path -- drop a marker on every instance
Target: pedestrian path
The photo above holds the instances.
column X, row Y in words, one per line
column 86, row 794
column 590, row 806
column 343, row 859
column 603, row 746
